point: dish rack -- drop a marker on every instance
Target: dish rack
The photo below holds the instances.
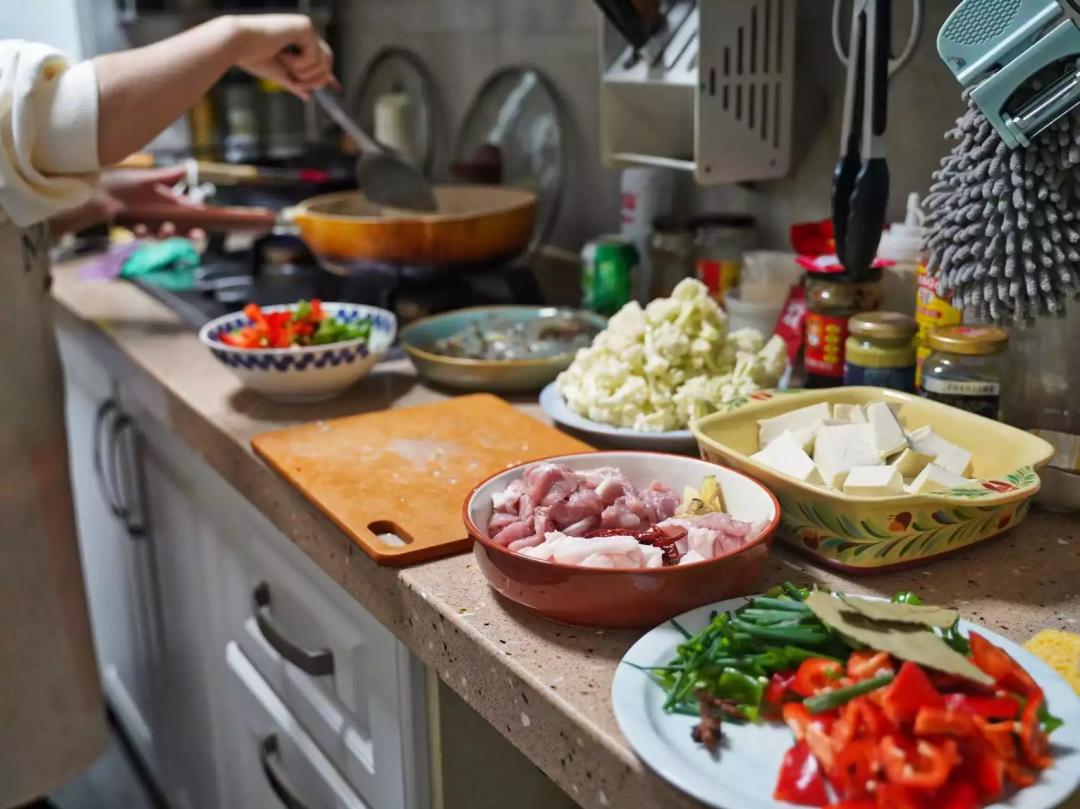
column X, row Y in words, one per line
column 713, row 95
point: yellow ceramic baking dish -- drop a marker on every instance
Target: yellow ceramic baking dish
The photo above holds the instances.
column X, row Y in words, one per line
column 874, row 534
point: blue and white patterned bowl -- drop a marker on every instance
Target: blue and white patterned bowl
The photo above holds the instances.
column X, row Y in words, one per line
column 304, row 374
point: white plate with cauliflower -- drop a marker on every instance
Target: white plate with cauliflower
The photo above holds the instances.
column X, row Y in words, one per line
column 655, row 370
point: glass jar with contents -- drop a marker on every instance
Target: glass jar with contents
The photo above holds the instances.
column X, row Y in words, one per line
column 880, row 351
column 720, row 240
column 964, row 368
column 672, row 254
column 831, row 299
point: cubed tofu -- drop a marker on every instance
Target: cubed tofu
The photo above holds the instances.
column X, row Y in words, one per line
column 771, row 429
column 785, row 454
column 911, row 462
column 839, row 449
column 804, row 437
column 858, row 415
column 842, row 412
column 935, row 479
column 946, row 454
column 874, row 481
column 888, row 435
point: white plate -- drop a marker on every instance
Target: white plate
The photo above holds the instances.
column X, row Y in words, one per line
column 744, row 774
column 553, row 403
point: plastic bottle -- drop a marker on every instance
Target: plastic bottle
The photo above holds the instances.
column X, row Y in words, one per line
column 902, row 243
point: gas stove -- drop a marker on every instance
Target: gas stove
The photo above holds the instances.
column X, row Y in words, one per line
column 279, row 269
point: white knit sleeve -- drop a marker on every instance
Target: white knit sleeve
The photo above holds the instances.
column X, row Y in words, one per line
column 48, row 132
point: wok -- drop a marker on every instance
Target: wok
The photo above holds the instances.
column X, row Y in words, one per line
column 475, row 225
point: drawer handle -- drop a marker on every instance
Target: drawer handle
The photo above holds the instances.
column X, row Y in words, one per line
column 279, row 782
column 318, row 664
column 107, row 410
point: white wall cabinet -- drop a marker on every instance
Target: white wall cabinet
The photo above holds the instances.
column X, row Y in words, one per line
column 215, row 633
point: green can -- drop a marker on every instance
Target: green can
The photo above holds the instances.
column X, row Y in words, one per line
column 608, row 268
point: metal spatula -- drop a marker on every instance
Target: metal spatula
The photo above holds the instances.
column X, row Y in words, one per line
column 384, row 176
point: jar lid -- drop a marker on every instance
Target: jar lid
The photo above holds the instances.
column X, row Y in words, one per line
column 972, row 340
column 673, row 224
column 883, row 325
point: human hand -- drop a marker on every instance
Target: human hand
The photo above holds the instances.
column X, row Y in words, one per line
column 127, row 191
column 285, row 49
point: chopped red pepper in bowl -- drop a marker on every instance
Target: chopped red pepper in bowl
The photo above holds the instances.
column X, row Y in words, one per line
column 306, row 324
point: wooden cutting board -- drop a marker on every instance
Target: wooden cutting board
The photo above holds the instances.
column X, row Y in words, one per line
column 407, row 472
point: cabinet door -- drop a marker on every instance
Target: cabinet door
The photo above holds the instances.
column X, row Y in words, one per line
column 174, row 527
column 275, row 762
column 117, row 570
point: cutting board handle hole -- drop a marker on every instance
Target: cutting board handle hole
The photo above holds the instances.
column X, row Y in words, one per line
column 390, row 533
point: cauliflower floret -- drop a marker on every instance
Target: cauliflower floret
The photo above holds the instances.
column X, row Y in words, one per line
column 662, row 367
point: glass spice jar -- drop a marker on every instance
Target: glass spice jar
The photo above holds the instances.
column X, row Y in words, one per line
column 880, row 351
column 720, row 240
column 964, row 368
column 672, row 254
column 832, row 298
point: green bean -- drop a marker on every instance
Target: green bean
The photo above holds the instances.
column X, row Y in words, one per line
column 686, row 634
column 673, row 695
column 834, row 699
column 779, row 604
column 794, row 635
column 793, row 591
column 775, row 616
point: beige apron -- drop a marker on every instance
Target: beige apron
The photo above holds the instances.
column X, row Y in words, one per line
column 51, row 711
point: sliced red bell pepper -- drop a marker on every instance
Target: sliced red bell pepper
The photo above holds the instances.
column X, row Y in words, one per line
column 910, row 691
column 1018, row 774
column 778, row 688
column 800, row 781
column 999, row 736
column 317, row 313
column 1007, row 673
column 923, row 765
column 866, row 663
column 253, row 313
column 1004, row 707
column 857, row 803
column 861, row 718
column 982, row 766
column 895, row 796
column 943, row 722
column 798, row 719
column 816, row 675
column 1034, row 743
column 957, row 795
column 854, row 770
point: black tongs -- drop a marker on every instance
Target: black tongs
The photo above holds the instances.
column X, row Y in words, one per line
column 861, row 179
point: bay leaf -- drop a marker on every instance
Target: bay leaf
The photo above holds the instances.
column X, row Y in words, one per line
column 902, row 640
column 902, row 613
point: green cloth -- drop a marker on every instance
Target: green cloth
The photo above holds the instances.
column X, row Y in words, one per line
column 169, row 264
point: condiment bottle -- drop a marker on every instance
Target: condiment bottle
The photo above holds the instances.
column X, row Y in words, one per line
column 931, row 311
column 964, row 368
column 720, row 240
column 832, row 297
column 880, row 351
column 902, row 245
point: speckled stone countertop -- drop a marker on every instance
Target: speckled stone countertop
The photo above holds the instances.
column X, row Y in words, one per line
column 544, row 686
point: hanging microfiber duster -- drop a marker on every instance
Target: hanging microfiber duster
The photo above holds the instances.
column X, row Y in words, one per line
column 1002, row 227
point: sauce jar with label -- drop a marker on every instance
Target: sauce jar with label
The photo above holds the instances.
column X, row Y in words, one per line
column 720, row 240
column 964, row 368
column 831, row 299
column 932, row 311
column 880, row 351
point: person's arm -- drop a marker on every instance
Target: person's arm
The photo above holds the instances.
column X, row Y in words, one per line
column 142, row 91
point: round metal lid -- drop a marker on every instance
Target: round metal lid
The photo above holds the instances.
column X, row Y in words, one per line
column 394, row 102
column 514, row 133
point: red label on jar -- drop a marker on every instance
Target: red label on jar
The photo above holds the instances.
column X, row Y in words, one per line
column 791, row 325
column 718, row 276
column 825, row 337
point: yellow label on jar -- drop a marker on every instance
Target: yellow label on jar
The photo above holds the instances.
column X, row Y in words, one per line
column 931, row 311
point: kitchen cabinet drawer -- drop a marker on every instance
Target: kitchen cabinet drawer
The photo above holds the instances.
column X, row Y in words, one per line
column 276, row 763
column 344, row 677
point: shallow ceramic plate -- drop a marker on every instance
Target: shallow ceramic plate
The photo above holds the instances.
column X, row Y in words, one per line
column 496, row 376
column 681, row 441
column 745, row 773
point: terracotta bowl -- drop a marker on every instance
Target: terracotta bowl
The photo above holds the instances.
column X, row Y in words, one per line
column 600, row 598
